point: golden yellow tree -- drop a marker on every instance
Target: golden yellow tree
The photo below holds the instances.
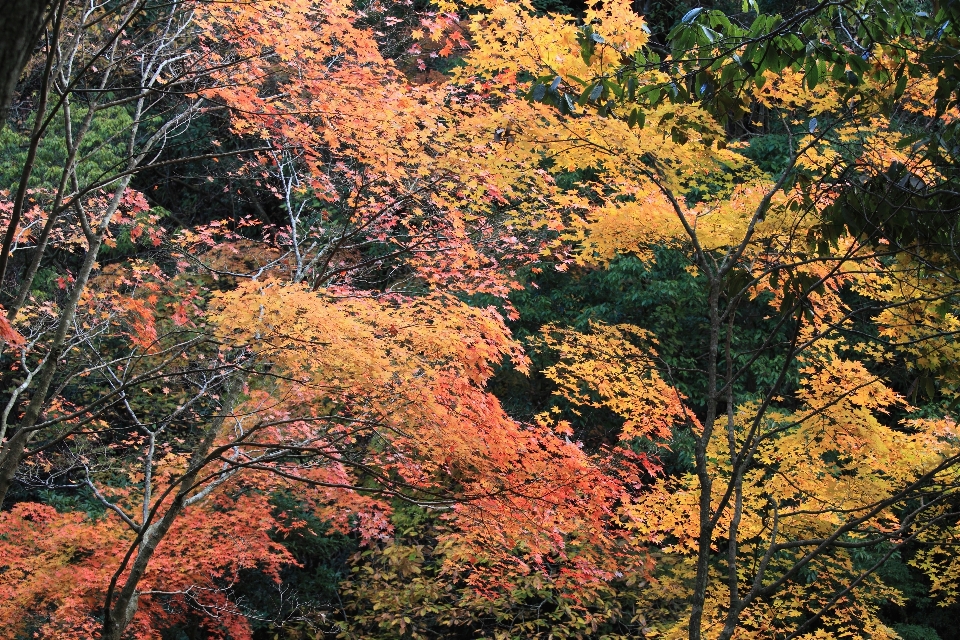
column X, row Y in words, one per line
column 792, row 484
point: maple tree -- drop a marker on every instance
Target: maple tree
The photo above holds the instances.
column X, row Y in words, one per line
column 794, row 240
column 78, row 209
column 374, row 407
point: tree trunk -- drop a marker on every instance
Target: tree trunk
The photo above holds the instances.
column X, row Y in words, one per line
column 705, row 537
column 120, row 612
column 20, row 28
column 13, row 451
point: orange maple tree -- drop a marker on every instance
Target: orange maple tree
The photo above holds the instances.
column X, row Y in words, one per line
column 339, row 362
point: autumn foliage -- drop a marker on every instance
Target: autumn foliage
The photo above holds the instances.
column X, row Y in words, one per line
column 299, row 334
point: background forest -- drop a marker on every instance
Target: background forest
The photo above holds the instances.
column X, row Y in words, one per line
column 485, row 319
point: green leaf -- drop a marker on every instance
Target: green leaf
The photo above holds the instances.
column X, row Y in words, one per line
column 614, row 87
column 839, row 69
column 858, row 64
column 585, row 95
column 691, row 15
column 813, row 74
column 901, row 87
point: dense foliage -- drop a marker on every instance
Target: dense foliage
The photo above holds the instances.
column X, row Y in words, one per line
column 526, row 319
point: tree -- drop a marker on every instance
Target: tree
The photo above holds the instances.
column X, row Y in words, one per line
column 846, row 300
column 335, row 358
column 82, row 205
column 22, row 28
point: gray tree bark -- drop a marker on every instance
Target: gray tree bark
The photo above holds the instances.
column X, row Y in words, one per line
column 21, row 23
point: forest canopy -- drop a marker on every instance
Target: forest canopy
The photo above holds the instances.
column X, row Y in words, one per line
column 480, row 319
